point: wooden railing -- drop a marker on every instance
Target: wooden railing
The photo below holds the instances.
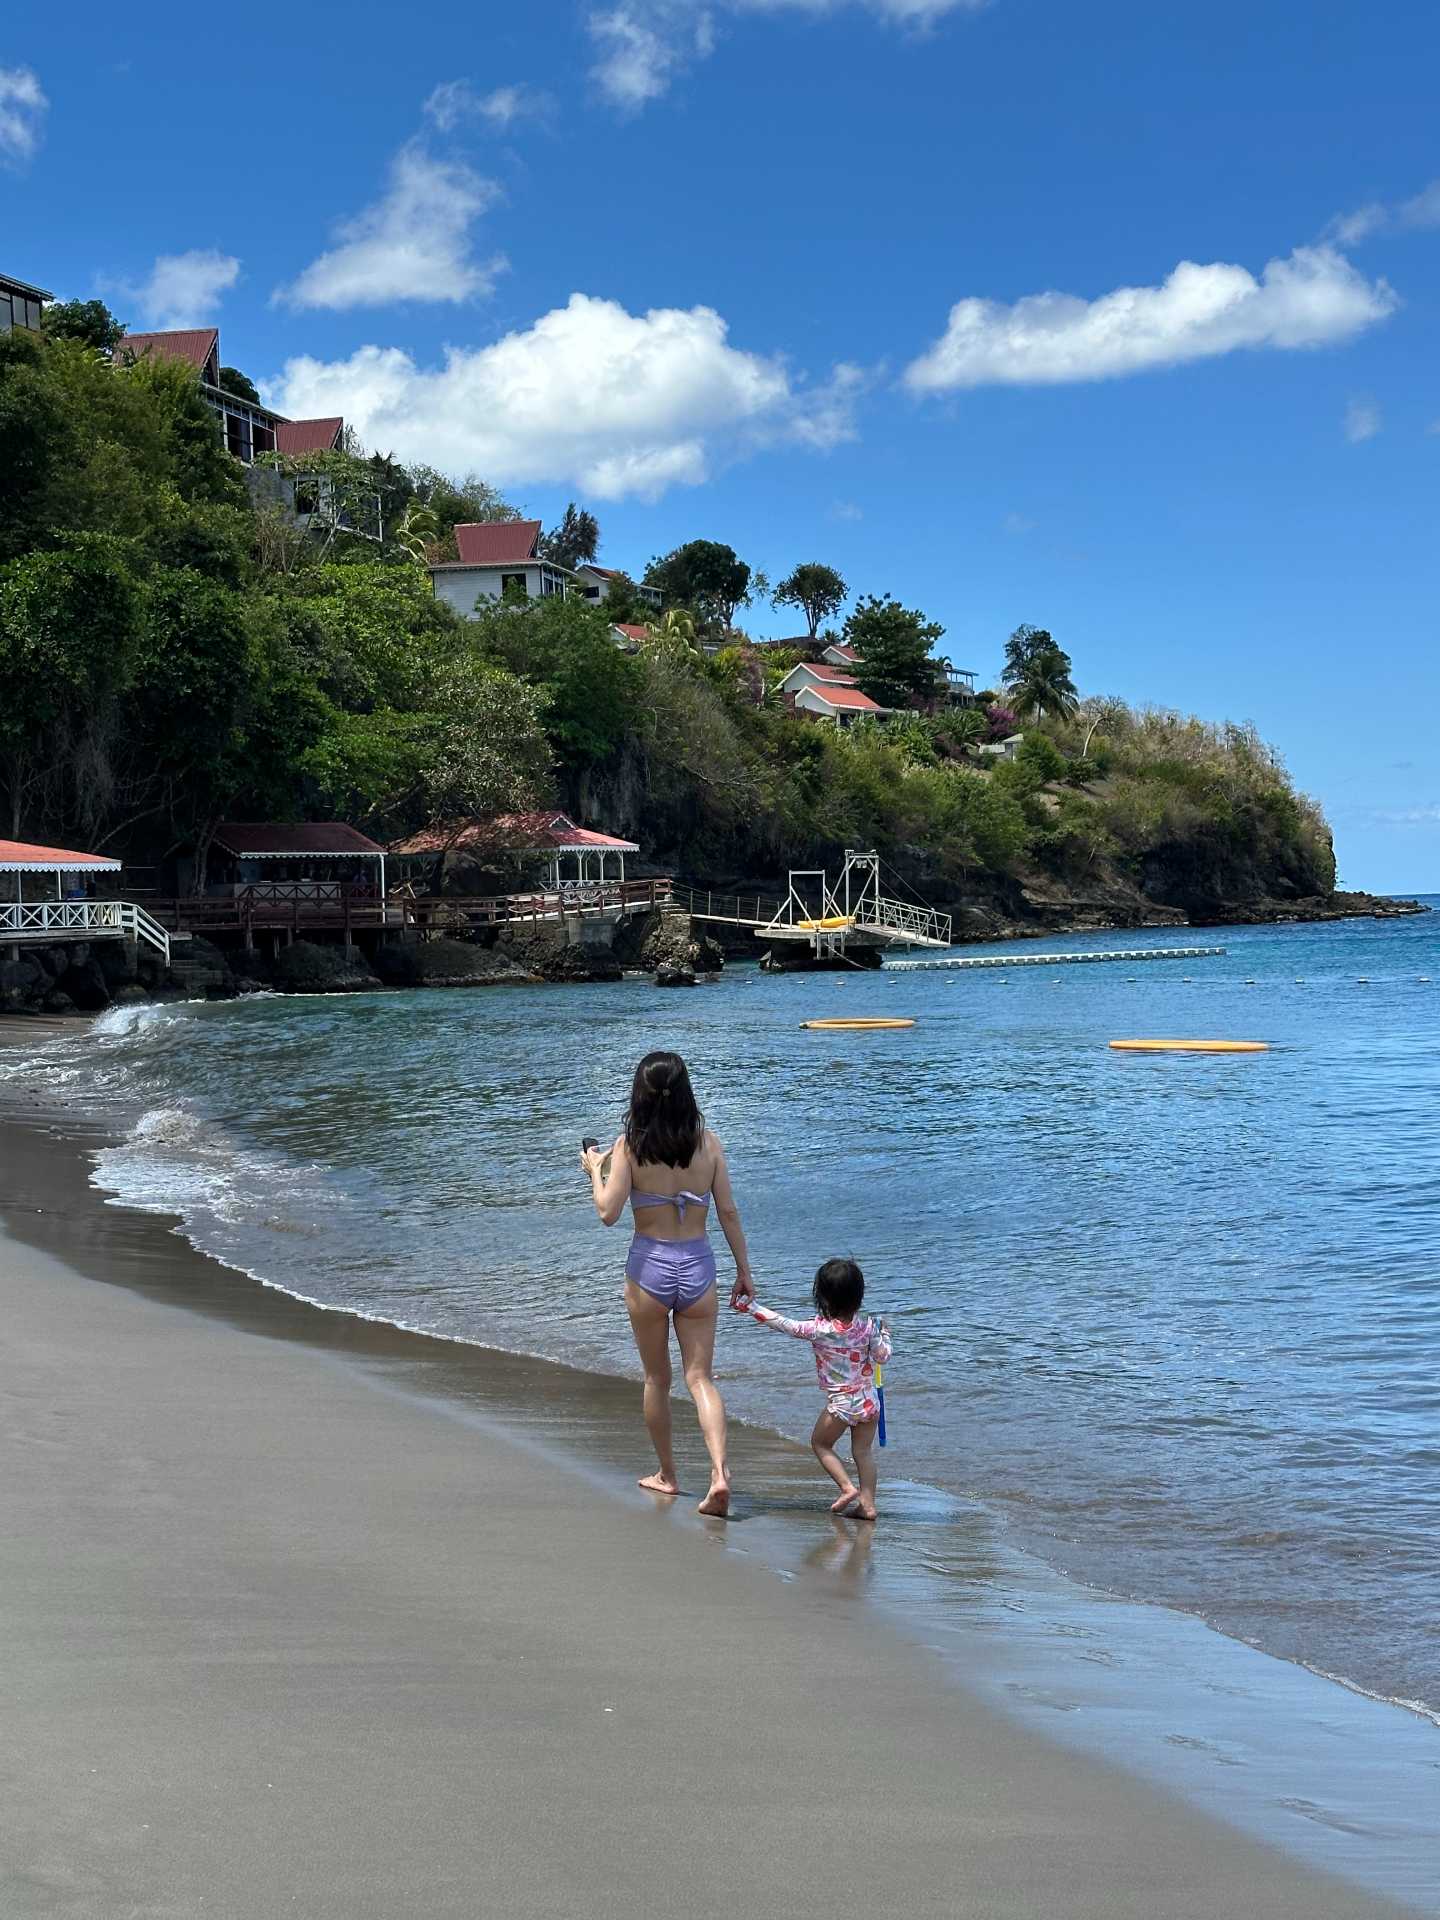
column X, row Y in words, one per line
column 83, row 920
column 435, row 910
column 335, row 905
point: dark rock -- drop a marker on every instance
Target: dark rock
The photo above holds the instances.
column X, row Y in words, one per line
column 57, row 1002
column 117, row 962
column 84, row 983
column 129, row 993
column 674, row 977
column 448, row 963
column 545, row 952
column 671, row 940
column 307, row 967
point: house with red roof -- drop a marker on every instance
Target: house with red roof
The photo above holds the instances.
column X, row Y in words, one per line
column 501, row 559
column 595, row 585
column 248, row 428
column 498, row 560
column 829, row 692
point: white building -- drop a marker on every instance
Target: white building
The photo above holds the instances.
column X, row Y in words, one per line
column 497, row 557
column 829, row 692
column 595, row 584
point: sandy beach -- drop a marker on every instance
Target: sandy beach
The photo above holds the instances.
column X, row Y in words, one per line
column 286, row 1636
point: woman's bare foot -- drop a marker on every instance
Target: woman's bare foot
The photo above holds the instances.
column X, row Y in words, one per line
column 660, row 1483
column 862, row 1510
column 717, row 1500
column 848, row 1497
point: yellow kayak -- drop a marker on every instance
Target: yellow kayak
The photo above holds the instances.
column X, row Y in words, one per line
column 860, row 1026
column 837, row 923
column 1191, row 1046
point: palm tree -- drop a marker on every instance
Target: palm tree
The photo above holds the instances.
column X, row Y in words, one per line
column 416, row 531
column 673, row 632
column 963, row 727
column 1043, row 685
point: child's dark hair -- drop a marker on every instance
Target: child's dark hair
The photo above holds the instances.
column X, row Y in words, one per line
column 839, row 1289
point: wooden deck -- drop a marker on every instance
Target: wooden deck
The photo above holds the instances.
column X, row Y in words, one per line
column 338, row 907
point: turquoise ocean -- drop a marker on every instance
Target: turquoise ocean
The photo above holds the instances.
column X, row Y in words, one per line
column 1172, row 1322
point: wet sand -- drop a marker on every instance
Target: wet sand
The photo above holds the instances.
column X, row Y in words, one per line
column 287, row 1634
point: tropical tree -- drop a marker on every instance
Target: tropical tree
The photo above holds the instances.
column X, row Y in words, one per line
column 1043, row 684
column 672, row 634
column 90, row 321
column 892, row 644
column 1025, row 644
column 703, row 575
column 417, row 532
column 818, row 591
column 574, row 541
column 960, row 729
column 232, row 380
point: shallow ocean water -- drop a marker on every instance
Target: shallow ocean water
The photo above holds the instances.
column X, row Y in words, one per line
column 1173, row 1322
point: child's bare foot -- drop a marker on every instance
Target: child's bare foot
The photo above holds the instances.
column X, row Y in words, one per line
column 717, row 1500
column 660, row 1483
column 862, row 1510
column 848, row 1497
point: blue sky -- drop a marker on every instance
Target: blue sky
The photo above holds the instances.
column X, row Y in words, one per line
column 772, row 272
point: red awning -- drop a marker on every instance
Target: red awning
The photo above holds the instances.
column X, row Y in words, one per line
column 305, row 839
column 19, row 856
column 515, row 833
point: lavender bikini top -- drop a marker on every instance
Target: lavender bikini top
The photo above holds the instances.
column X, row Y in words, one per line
column 680, row 1201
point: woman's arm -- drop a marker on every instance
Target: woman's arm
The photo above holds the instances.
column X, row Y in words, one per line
column 609, row 1195
column 728, row 1214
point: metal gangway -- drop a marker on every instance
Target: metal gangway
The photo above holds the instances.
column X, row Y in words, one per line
column 829, row 919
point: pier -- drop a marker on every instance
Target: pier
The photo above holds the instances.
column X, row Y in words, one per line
column 829, row 921
column 997, row 961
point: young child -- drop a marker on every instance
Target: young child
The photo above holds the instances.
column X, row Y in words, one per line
column 847, row 1351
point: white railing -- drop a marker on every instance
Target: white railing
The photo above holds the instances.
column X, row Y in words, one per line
column 81, row 919
column 898, row 916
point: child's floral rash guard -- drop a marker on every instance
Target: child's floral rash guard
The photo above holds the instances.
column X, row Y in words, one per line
column 846, row 1357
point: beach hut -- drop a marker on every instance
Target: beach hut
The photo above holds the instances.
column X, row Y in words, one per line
column 47, row 897
column 576, row 860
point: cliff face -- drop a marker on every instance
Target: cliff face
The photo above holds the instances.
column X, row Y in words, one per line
column 1271, row 868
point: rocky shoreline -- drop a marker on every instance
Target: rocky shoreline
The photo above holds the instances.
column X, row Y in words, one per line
column 668, row 948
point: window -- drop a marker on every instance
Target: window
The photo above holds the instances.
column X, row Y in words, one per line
column 32, row 314
column 4, row 313
column 513, row 586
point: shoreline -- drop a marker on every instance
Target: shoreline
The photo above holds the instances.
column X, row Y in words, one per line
column 570, row 1417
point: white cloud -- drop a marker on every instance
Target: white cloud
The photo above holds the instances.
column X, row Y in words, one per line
column 1421, row 210
column 638, row 54
column 456, row 100
column 184, row 289
column 589, row 396
column 1017, row 523
column 846, row 510
column 1311, row 299
column 413, row 244
column 22, row 108
column 644, row 44
column 1424, row 209
column 1363, row 419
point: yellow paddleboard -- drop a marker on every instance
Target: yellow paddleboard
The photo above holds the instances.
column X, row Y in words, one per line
column 1191, row 1046
column 837, row 923
column 860, row 1026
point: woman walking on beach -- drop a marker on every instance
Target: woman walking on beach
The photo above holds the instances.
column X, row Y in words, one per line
column 670, row 1166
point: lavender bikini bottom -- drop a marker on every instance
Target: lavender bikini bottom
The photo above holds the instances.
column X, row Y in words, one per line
column 677, row 1273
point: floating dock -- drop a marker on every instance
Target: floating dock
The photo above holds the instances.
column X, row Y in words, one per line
column 1052, row 959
